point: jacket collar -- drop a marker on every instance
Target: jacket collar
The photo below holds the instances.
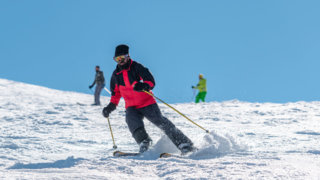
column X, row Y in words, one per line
column 125, row 67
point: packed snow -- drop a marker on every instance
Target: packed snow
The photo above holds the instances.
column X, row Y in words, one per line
column 52, row 134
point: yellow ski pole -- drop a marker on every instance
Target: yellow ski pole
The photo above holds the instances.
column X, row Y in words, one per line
column 176, row 110
column 114, row 144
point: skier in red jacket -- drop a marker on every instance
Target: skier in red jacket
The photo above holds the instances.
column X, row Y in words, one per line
column 129, row 80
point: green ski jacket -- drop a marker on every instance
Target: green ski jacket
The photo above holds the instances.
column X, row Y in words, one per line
column 202, row 85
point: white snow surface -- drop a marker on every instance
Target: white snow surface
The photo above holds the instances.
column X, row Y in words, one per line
column 53, row 134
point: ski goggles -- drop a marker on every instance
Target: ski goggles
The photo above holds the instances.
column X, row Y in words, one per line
column 120, row 58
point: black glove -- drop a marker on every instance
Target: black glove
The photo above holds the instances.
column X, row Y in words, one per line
column 141, row 87
column 90, row 87
column 108, row 109
column 192, row 87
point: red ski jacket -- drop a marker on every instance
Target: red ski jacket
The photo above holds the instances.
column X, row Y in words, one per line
column 123, row 80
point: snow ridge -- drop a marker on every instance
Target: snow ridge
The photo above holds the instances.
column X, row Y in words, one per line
column 52, row 134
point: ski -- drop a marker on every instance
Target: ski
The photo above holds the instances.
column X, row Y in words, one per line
column 81, row 104
column 128, row 154
column 124, row 154
column 167, row 155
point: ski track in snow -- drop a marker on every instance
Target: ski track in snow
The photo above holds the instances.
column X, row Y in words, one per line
column 52, row 134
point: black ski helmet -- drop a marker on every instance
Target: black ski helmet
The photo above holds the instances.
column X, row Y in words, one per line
column 121, row 49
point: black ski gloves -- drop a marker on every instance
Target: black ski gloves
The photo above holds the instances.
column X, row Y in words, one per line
column 192, row 87
column 141, row 87
column 90, row 87
column 108, row 109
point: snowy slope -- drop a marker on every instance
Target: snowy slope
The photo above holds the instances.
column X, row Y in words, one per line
column 51, row 134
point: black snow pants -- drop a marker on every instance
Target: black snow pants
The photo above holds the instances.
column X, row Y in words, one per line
column 97, row 93
column 134, row 119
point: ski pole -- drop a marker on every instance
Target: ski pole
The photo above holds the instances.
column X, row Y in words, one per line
column 114, row 144
column 107, row 90
column 194, row 94
column 176, row 110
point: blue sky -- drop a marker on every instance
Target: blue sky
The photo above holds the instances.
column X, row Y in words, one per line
column 256, row 51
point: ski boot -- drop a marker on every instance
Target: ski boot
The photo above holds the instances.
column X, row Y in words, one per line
column 144, row 145
column 186, row 148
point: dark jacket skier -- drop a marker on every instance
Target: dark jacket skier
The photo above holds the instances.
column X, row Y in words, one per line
column 99, row 81
column 128, row 80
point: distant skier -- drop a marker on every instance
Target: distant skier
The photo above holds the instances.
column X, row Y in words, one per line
column 99, row 81
column 128, row 80
column 202, row 87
